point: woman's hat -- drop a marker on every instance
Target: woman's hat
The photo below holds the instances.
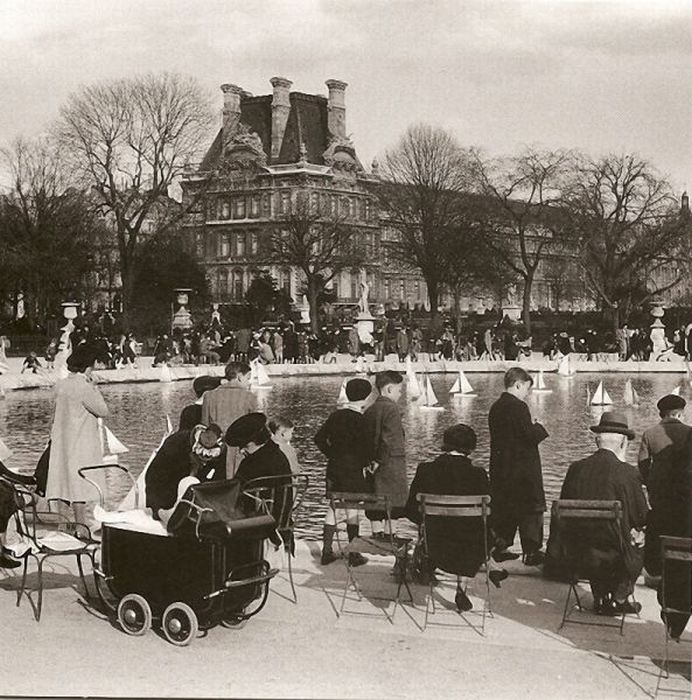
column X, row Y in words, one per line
column 613, row 422
column 205, row 383
column 81, row 359
column 252, row 427
column 358, row 389
column 207, row 441
column 460, row 438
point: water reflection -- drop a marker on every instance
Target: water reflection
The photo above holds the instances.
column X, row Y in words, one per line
column 138, row 418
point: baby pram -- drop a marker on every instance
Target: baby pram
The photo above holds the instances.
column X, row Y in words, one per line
column 207, row 569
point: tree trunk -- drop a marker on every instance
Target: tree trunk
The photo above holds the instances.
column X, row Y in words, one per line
column 526, row 303
column 313, row 292
column 434, row 298
column 128, row 286
column 457, row 309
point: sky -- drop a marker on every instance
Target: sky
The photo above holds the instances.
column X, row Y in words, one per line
column 604, row 77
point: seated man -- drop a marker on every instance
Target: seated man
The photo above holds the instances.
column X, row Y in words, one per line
column 456, row 545
column 611, row 560
column 191, row 415
column 199, row 453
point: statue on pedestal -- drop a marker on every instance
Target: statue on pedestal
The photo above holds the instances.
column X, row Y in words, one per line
column 363, row 306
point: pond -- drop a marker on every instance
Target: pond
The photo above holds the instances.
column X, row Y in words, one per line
column 138, row 418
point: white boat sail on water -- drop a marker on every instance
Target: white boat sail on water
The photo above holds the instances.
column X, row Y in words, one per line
column 413, row 388
column 539, row 386
column 166, row 375
column 259, row 378
column 427, row 399
column 630, row 396
column 564, row 368
column 462, row 386
column 111, row 444
column 343, row 399
column 676, row 391
column 136, row 497
column 601, row 397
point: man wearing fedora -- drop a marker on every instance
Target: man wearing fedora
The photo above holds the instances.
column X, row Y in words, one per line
column 612, row 560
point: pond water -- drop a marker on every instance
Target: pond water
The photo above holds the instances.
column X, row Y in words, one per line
column 138, row 414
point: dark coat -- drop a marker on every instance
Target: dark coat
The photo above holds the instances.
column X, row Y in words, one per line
column 455, row 545
column 516, row 479
column 602, row 476
column 341, row 440
column 385, row 440
column 268, row 460
column 172, row 462
column 190, row 416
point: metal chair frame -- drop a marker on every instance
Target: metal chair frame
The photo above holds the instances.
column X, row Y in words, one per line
column 449, row 506
column 389, row 546
column 28, row 519
column 672, row 549
column 593, row 510
column 268, row 491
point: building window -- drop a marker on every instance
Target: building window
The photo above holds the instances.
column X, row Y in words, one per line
column 286, row 281
column 225, row 209
column 224, row 246
column 285, row 207
column 240, row 244
column 199, row 245
column 254, row 206
column 222, row 283
column 254, row 243
column 387, row 289
column 354, row 285
column 417, row 297
column 238, row 284
column 266, row 205
column 402, row 289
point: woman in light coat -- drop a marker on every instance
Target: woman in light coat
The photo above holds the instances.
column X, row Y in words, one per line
column 75, row 437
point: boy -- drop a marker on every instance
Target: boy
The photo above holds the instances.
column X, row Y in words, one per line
column 281, row 429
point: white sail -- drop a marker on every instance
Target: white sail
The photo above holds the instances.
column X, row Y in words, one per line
column 262, row 375
column 564, row 368
column 169, row 426
column 112, row 445
column 635, row 397
column 456, row 387
column 628, row 395
column 676, row 391
column 427, row 399
column 540, row 386
column 166, row 375
column 5, row 452
column 412, row 385
column 601, row 397
column 462, row 385
column 343, row 399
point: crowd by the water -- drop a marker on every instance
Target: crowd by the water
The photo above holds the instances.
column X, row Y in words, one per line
column 222, row 434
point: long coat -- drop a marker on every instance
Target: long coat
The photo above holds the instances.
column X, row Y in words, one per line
column 385, row 439
column 75, row 439
column 516, row 479
column 602, row 476
column 340, row 439
column 455, row 545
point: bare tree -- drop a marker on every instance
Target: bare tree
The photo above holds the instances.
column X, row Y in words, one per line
column 319, row 244
column 521, row 211
column 423, row 178
column 634, row 243
column 130, row 140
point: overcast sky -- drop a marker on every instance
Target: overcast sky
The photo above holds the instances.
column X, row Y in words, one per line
column 601, row 76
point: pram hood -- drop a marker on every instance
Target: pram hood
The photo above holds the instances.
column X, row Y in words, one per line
column 218, row 510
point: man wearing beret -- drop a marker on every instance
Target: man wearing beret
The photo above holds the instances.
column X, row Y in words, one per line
column 612, row 560
column 340, row 439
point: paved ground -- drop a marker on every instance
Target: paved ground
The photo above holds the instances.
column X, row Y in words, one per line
column 306, row 650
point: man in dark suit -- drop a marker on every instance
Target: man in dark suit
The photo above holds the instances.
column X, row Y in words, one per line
column 612, row 559
column 191, row 415
column 384, row 436
column 516, row 479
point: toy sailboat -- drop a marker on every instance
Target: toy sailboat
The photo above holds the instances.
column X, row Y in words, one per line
column 630, row 396
column 564, row 368
column 166, row 375
column 676, row 391
column 413, row 388
column 343, row 399
column 462, row 386
column 588, row 395
column 601, row 397
column 539, row 387
column 112, row 445
column 259, row 379
column 427, row 399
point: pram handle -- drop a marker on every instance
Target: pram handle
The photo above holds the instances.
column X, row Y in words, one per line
column 255, row 579
column 102, row 498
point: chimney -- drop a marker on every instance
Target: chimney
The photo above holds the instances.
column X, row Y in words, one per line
column 336, row 119
column 231, row 108
column 281, row 106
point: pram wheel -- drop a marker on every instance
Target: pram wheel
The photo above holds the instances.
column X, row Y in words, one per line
column 179, row 624
column 234, row 622
column 134, row 614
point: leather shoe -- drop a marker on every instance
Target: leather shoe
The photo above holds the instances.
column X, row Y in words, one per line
column 496, row 576
column 627, row 607
column 504, row 555
column 356, row 559
column 327, row 558
column 7, row 562
column 534, row 558
column 462, row 601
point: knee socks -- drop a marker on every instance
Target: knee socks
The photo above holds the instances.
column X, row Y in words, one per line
column 328, row 533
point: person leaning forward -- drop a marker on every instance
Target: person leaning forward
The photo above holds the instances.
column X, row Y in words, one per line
column 384, row 436
column 612, row 560
column 516, row 479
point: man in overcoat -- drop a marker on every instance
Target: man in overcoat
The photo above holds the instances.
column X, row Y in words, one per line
column 384, row 436
column 516, row 479
column 611, row 559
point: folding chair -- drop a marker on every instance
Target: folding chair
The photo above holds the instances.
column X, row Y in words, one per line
column 433, row 506
column 572, row 513
column 389, row 545
column 675, row 552
column 45, row 535
column 281, row 497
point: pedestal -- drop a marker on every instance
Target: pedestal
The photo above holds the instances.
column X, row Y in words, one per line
column 365, row 325
column 182, row 318
column 513, row 313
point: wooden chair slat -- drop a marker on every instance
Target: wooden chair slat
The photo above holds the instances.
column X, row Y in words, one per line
column 676, row 555
column 589, row 514
column 574, row 503
column 467, row 512
column 443, row 499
